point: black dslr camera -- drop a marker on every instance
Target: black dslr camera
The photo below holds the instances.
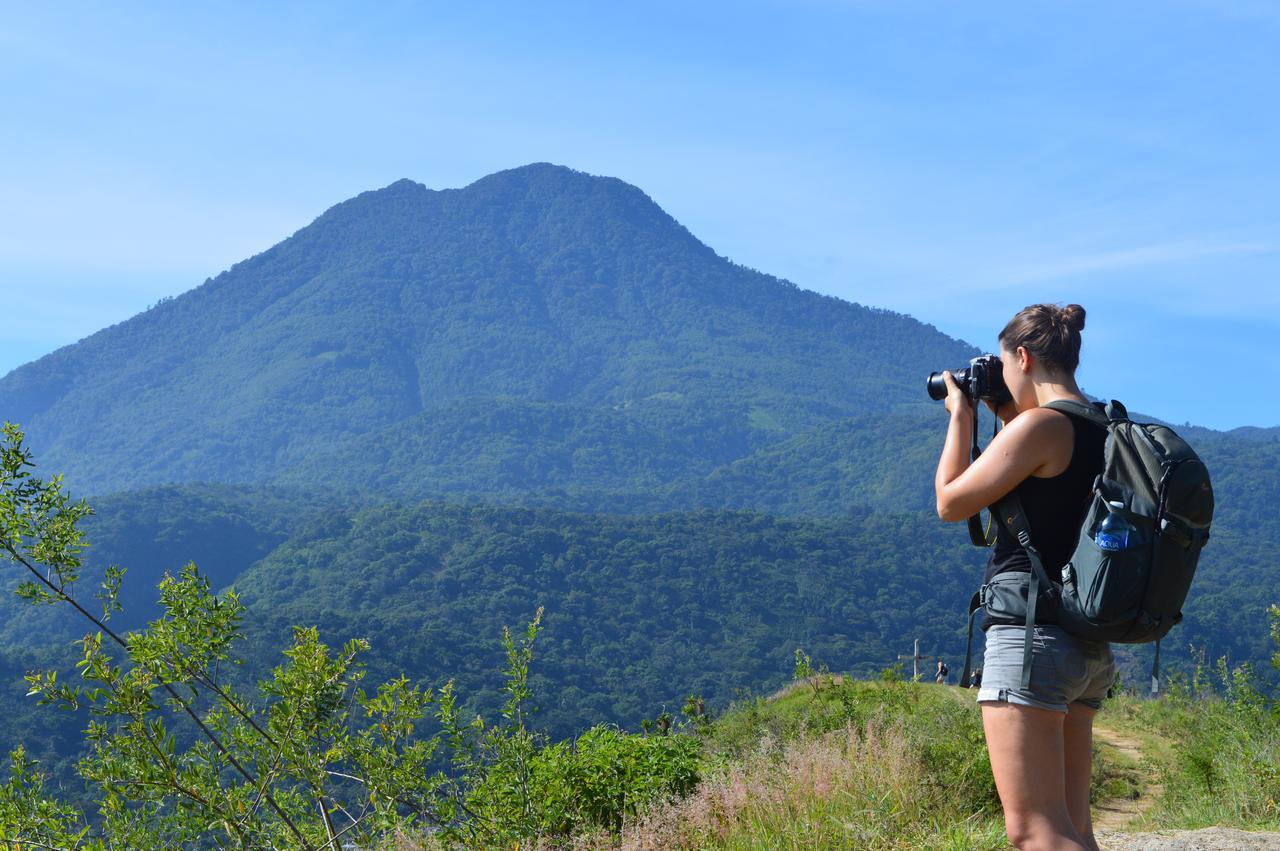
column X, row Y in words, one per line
column 983, row 378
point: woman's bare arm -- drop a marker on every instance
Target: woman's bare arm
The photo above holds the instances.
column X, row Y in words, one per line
column 1023, row 447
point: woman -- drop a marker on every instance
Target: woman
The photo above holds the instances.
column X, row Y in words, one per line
column 1041, row 738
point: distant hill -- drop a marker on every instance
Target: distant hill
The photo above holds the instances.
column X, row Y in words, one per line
column 708, row 601
column 407, row 333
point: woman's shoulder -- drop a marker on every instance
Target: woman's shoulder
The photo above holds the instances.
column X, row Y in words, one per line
column 1044, row 437
column 1057, row 423
column 1042, row 422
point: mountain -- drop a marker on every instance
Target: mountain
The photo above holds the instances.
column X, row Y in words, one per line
column 543, row 338
column 407, row 331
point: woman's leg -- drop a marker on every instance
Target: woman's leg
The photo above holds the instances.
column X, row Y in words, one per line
column 1077, row 738
column 1029, row 763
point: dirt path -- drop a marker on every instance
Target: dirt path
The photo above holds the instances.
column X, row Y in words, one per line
column 1112, row 817
column 1118, row 813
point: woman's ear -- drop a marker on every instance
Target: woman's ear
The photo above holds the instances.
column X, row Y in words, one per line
column 1025, row 359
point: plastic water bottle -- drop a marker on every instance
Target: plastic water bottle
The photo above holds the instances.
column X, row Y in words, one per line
column 1113, row 532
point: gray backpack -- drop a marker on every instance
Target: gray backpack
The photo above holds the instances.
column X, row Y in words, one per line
column 1160, row 488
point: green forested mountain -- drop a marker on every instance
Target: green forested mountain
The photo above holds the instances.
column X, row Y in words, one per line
column 535, row 305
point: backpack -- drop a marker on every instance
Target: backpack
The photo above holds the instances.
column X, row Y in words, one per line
column 1156, row 483
column 944, row 670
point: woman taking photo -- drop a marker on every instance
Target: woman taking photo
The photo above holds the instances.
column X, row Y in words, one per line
column 1040, row 738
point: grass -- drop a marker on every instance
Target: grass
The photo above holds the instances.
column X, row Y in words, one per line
column 865, row 786
column 848, row 764
column 1217, row 760
column 839, row 763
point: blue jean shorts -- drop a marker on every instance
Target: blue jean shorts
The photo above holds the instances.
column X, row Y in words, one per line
column 1064, row 669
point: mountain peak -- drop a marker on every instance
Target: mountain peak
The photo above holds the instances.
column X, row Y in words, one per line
column 540, row 175
column 404, row 184
column 541, row 172
column 544, row 180
column 534, row 192
column 539, row 207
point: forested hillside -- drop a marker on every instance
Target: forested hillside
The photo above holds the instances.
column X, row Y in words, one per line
column 538, row 306
column 641, row 609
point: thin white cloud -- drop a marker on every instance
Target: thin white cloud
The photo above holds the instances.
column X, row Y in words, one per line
column 1147, row 255
column 1251, row 11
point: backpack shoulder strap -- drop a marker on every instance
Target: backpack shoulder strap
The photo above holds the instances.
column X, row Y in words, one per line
column 975, row 606
column 1097, row 414
column 1011, row 515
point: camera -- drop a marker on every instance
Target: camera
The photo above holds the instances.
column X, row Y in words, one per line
column 983, row 378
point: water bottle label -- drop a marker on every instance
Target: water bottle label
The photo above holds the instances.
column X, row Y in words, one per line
column 1114, row 532
column 1110, row 541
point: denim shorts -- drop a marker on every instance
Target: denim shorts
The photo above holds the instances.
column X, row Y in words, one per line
column 1064, row 669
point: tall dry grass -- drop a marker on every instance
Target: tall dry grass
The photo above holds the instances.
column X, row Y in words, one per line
column 866, row 786
column 856, row 765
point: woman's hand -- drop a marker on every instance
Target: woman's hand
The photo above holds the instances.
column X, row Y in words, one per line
column 957, row 399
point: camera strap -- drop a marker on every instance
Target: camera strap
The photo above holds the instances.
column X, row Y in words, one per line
column 979, row 536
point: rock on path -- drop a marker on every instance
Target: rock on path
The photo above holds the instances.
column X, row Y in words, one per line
column 1206, row 839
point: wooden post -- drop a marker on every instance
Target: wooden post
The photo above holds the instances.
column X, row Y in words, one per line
column 916, row 659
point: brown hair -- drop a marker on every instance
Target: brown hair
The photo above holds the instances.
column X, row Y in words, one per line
column 1049, row 332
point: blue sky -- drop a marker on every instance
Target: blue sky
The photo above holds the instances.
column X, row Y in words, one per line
column 951, row 161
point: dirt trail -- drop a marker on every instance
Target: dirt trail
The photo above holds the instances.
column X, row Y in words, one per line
column 1113, row 816
column 1117, row 813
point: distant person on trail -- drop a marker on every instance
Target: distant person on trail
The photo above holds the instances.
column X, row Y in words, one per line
column 942, row 672
column 1040, row 738
column 975, row 679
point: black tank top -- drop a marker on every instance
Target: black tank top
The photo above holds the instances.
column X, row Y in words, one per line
column 1054, row 507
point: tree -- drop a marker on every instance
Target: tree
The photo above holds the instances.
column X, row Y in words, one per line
column 179, row 757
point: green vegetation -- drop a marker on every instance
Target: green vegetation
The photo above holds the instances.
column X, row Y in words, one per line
column 839, row 763
column 640, row 610
column 856, row 765
column 640, row 607
column 179, row 754
column 1212, row 745
column 306, row 760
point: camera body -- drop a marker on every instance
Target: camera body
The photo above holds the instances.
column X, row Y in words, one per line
column 983, row 378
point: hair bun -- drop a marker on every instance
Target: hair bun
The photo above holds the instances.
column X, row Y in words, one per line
column 1072, row 316
column 1049, row 332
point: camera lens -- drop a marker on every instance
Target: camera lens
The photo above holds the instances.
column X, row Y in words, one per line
column 937, row 386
